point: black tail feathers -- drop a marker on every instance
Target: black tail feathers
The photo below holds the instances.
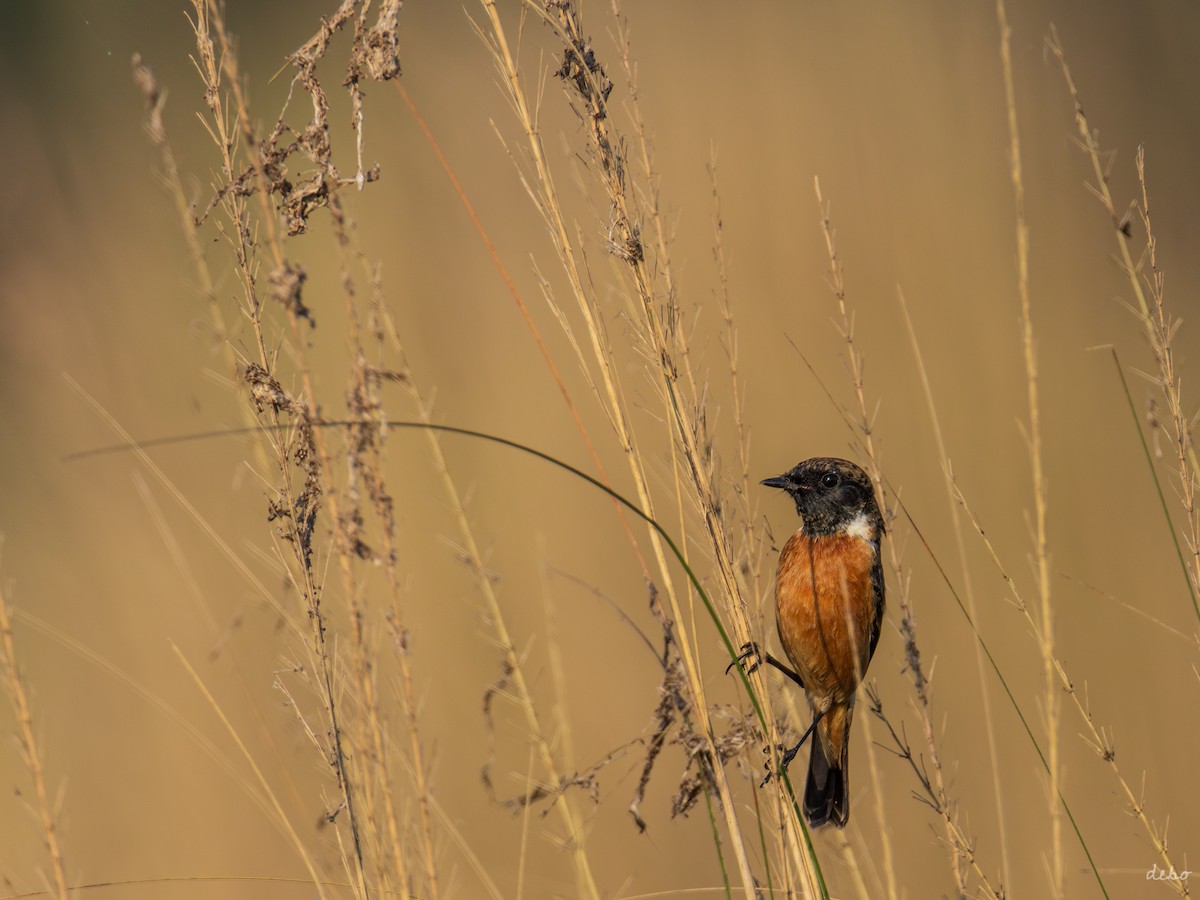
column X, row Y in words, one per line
column 827, row 791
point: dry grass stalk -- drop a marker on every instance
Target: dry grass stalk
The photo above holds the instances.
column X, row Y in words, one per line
column 1050, row 699
column 527, row 318
column 1157, row 321
column 961, row 850
column 366, row 783
column 512, row 665
column 968, row 591
column 750, row 563
column 960, row 843
column 368, row 460
column 545, row 196
column 299, row 507
column 275, row 806
column 1160, row 327
column 838, row 286
column 686, row 402
column 267, row 799
column 1096, row 736
column 660, row 314
column 31, row 756
column 514, row 673
column 156, row 97
column 589, row 86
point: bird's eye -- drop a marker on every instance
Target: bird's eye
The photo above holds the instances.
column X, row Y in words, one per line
column 830, row 479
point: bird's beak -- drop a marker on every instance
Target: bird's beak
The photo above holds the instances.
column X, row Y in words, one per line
column 779, row 481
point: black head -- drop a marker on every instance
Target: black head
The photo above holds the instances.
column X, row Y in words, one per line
column 831, row 495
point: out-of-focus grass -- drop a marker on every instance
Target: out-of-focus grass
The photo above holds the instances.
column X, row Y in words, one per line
column 902, row 115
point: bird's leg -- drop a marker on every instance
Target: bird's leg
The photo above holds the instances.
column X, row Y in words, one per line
column 791, row 754
column 750, row 650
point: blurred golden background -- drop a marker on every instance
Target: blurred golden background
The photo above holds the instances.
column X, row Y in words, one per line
column 899, row 109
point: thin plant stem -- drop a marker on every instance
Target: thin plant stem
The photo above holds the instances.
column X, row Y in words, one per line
column 1041, row 551
column 864, row 429
column 30, row 752
column 1159, row 325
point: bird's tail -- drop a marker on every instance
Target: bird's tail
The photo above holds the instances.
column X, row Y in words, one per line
column 827, row 791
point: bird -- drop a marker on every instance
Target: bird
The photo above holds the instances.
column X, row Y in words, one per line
column 829, row 604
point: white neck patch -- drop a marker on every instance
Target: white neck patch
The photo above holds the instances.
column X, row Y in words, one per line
column 861, row 527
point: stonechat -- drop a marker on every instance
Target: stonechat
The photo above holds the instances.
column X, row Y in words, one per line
column 829, row 599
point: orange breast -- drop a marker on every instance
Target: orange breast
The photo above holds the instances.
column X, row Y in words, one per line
column 824, row 604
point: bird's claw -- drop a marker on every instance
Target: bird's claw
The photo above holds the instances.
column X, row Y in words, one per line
column 784, row 762
column 749, row 649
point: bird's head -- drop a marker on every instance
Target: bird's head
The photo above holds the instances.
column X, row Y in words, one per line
column 832, row 496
